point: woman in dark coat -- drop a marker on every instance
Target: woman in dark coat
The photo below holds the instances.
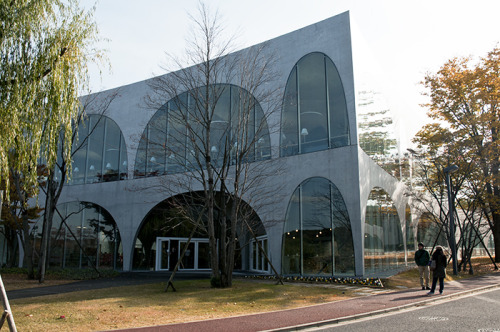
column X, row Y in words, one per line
column 440, row 271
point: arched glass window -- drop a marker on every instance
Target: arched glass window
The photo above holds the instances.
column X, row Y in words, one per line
column 384, row 246
column 99, row 153
column 314, row 115
column 86, row 236
column 168, row 147
column 317, row 237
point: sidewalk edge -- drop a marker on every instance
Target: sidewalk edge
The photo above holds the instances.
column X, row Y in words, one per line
column 382, row 311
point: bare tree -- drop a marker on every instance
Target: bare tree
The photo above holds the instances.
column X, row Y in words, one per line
column 217, row 134
column 57, row 176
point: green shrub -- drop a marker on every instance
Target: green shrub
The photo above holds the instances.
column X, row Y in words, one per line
column 216, row 282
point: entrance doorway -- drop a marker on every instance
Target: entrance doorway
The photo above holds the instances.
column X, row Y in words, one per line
column 168, row 251
column 258, row 261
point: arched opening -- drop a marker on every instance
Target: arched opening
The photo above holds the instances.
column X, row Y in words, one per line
column 85, row 235
column 167, row 228
column 317, row 235
column 384, row 246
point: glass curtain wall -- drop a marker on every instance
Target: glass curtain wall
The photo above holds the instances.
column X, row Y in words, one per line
column 99, row 153
column 384, row 245
column 410, row 231
column 314, row 115
column 166, row 146
column 317, row 237
column 430, row 233
column 88, row 237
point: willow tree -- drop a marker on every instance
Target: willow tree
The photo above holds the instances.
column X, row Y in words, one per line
column 45, row 47
column 465, row 100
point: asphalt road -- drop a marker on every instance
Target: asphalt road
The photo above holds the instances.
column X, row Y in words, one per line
column 478, row 312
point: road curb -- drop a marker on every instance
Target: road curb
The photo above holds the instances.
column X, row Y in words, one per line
column 383, row 311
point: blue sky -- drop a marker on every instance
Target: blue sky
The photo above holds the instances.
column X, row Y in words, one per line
column 407, row 38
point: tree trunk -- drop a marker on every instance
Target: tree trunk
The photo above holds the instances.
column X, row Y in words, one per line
column 28, row 248
column 214, row 262
column 11, row 251
column 223, row 236
column 231, row 247
column 47, row 226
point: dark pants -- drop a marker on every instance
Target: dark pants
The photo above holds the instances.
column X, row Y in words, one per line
column 434, row 282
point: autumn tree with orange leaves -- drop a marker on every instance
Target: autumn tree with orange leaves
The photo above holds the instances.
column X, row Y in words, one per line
column 465, row 103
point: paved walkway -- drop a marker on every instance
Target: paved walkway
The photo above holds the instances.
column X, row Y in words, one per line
column 370, row 302
column 333, row 312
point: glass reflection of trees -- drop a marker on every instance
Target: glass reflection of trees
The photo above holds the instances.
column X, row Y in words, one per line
column 314, row 115
column 94, row 229
column 410, row 231
column 166, row 148
column 384, row 246
column 317, row 237
column 377, row 135
column 429, row 231
column 99, row 153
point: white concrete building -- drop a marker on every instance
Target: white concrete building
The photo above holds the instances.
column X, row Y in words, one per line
column 339, row 212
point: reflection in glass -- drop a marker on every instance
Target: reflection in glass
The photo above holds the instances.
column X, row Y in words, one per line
column 429, row 231
column 376, row 130
column 168, row 147
column 410, row 231
column 89, row 237
column 95, row 150
column 257, row 260
column 384, row 246
column 291, row 262
column 99, row 152
column 314, row 115
column 317, row 237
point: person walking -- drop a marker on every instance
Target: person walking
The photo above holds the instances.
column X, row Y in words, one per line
column 439, row 271
column 422, row 258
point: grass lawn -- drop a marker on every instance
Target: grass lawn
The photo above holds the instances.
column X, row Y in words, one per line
column 146, row 305
column 134, row 306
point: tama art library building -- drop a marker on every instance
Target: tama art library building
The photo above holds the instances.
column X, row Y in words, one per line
column 342, row 209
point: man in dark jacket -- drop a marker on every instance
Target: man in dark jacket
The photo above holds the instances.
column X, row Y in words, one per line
column 422, row 258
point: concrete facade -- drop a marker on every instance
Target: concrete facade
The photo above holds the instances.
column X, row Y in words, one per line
column 349, row 168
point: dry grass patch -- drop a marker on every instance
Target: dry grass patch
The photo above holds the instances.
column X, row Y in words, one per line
column 145, row 305
column 16, row 281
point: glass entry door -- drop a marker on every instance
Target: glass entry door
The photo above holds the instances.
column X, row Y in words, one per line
column 168, row 252
column 258, row 261
column 162, row 254
column 189, row 257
